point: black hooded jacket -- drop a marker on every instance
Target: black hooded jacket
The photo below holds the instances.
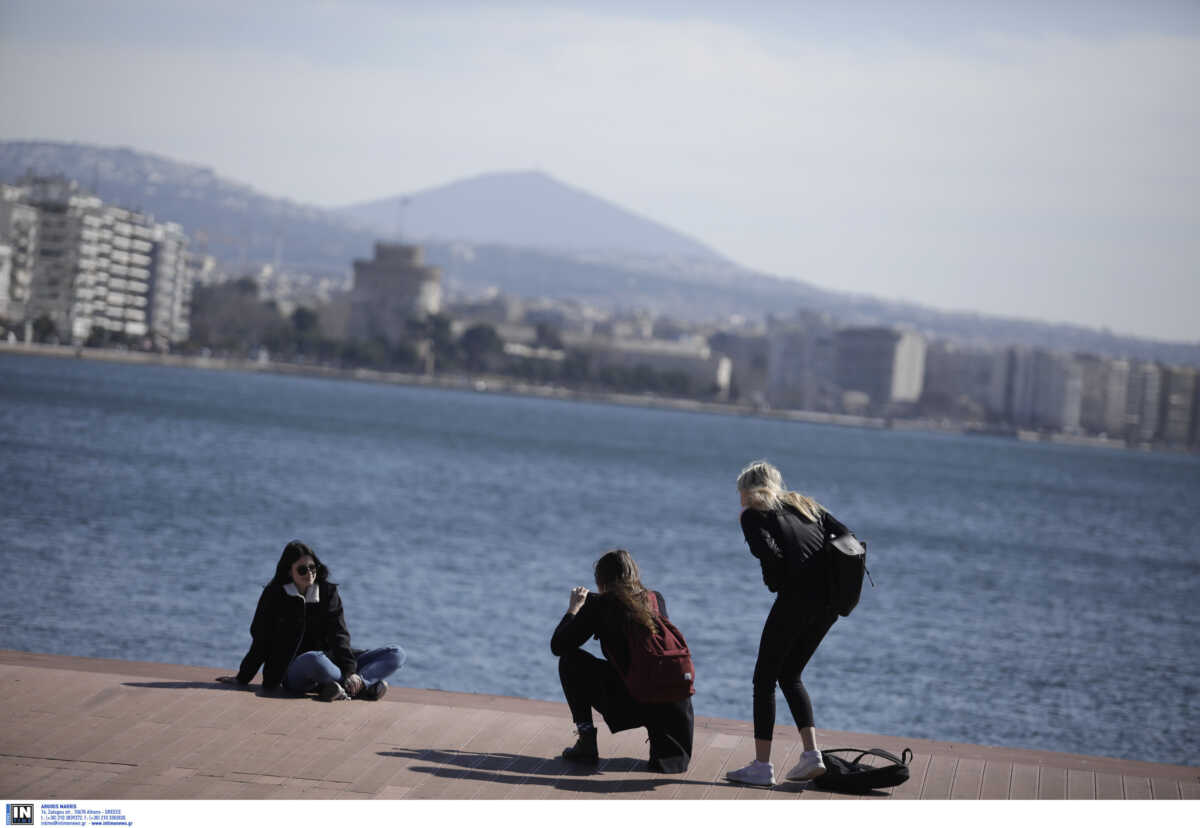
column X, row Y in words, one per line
column 286, row 625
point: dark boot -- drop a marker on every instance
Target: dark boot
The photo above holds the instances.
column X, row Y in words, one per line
column 584, row 750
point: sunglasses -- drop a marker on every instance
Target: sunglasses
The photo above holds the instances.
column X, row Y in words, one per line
column 300, row 570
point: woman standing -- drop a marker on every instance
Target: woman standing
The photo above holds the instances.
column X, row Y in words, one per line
column 620, row 602
column 786, row 532
column 299, row 637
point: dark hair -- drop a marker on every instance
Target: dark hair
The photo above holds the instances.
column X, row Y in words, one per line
column 294, row 551
column 617, row 575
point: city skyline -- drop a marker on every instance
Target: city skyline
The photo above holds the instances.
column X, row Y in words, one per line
column 1000, row 160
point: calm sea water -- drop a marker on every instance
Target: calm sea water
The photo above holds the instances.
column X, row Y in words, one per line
column 1028, row 595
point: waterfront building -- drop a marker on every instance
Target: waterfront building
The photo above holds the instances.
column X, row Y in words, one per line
column 886, row 364
column 1178, row 405
column 1058, row 391
column 800, row 362
column 693, row 361
column 1105, row 385
column 957, row 379
column 1143, row 405
column 747, row 353
column 389, row 290
column 174, row 272
column 98, row 267
column 18, row 233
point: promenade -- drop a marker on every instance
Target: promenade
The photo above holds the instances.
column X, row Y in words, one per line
column 90, row 729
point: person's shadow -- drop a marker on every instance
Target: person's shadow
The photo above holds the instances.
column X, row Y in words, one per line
column 519, row 769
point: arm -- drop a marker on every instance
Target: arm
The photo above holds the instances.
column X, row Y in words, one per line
column 763, row 546
column 259, row 640
column 577, row 625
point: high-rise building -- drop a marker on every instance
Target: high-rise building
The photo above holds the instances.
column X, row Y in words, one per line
column 18, row 232
column 800, row 363
column 389, row 290
column 171, row 287
column 886, row 364
column 99, row 268
column 1178, row 399
column 1144, row 402
column 69, row 235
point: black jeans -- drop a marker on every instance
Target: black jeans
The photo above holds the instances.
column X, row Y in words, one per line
column 791, row 635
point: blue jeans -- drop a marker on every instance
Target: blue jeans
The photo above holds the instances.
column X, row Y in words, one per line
column 312, row 669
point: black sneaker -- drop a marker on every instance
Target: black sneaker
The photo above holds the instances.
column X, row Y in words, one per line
column 331, row 691
column 584, row 751
column 373, row 692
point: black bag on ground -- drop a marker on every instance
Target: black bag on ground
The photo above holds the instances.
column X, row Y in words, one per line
column 855, row 776
column 846, row 564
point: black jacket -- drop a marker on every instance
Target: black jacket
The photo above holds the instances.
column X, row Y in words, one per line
column 602, row 618
column 789, row 548
column 283, row 622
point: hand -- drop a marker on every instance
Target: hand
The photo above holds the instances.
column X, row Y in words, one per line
column 578, row 596
column 230, row 680
column 353, row 684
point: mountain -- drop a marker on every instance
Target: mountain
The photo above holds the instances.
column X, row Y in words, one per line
column 237, row 224
column 653, row 268
column 525, row 209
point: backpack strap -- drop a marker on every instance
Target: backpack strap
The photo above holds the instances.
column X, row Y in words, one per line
column 904, row 758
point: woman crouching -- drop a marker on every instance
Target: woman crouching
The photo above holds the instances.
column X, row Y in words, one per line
column 299, row 637
column 622, row 611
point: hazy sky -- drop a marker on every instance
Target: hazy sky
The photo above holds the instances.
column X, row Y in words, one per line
column 1032, row 159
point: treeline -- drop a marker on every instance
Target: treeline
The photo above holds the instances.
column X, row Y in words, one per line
column 229, row 319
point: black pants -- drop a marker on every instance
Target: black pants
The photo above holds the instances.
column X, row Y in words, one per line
column 593, row 683
column 791, row 635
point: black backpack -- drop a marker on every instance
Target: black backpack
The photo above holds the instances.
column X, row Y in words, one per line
column 853, row 776
column 846, row 564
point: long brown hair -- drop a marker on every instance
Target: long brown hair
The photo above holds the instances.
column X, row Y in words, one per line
column 617, row 575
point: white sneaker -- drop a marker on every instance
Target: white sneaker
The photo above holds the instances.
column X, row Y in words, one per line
column 809, row 767
column 759, row 774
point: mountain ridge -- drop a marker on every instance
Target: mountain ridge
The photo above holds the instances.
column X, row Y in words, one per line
column 525, row 208
column 245, row 228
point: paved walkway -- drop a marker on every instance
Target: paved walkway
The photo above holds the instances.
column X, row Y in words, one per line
column 82, row 729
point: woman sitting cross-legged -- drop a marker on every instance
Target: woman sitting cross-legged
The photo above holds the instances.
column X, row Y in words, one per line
column 299, row 637
column 622, row 611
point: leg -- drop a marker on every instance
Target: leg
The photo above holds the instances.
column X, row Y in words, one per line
column 579, row 672
column 378, row 664
column 310, row 670
column 778, row 637
column 811, row 631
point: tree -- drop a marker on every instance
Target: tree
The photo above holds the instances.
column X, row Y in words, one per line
column 481, row 345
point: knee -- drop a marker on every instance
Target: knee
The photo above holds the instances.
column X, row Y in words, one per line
column 395, row 657
column 570, row 661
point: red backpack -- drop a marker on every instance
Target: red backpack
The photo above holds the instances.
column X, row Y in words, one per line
column 660, row 664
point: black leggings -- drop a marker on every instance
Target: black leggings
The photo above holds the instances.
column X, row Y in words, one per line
column 793, row 630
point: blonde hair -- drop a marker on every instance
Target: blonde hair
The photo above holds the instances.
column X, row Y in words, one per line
column 762, row 485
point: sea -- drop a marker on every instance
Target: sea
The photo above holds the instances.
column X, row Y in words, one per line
column 1025, row 594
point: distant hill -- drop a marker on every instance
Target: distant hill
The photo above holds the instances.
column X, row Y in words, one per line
column 238, row 225
column 525, row 209
column 655, row 268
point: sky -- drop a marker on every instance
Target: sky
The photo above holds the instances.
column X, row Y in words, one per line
column 1026, row 159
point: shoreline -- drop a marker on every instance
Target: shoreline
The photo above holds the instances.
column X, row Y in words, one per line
column 496, row 384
